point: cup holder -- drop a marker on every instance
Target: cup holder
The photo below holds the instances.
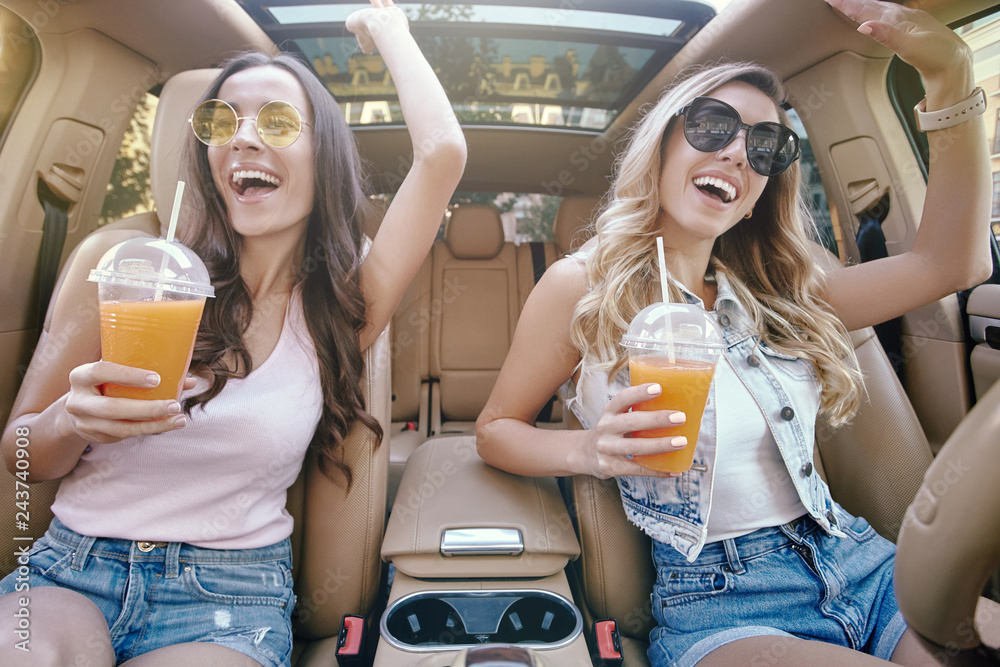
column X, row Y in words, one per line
column 432, row 620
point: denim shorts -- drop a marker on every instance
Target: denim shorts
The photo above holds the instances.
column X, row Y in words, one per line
column 155, row 594
column 792, row 580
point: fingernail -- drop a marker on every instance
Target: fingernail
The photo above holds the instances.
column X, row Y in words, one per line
column 654, row 389
column 180, row 422
column 678, row 418
column 173, row 408
column 153, row 379
column 679, row 441
column 865, row 29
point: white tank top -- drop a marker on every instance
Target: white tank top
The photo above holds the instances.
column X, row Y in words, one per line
column 221, row 481
column 752, row 488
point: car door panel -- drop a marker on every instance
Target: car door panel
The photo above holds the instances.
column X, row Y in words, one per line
column 862, row 152
column 66, row 131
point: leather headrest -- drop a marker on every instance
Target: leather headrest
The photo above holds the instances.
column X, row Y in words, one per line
column 575, row 214
column 474, row 232
column 178, row 98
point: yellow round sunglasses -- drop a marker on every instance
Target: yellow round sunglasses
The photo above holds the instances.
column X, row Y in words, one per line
column 215, row 123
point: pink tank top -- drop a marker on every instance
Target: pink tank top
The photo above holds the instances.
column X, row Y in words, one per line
column 221, row 481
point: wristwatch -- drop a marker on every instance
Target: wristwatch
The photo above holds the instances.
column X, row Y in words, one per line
column 971, row 106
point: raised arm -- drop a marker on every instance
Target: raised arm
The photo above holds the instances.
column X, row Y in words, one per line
column 411, row 223
column 541, row 358
column 951, row 248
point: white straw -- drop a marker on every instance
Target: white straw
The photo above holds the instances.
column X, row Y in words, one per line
column 175, row 212
column 665, row 294
column 171, row 229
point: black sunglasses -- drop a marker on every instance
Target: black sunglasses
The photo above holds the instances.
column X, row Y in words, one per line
column 711, row 125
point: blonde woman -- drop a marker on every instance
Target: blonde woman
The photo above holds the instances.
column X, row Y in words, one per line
column 734, row 577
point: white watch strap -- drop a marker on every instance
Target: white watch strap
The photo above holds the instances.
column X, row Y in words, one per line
column 971, row 106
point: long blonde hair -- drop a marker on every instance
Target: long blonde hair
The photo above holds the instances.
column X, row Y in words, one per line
column 767, row 259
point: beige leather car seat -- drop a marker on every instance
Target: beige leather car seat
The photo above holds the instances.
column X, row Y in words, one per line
column 874, row 467
column 411, row 324
column 410, row 349
column 574, row 222
column 572, row 227
column 337, row 534
column 474, row 309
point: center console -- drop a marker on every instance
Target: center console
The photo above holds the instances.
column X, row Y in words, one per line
column 479, row 558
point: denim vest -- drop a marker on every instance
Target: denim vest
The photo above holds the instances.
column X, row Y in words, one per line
column 675, row 510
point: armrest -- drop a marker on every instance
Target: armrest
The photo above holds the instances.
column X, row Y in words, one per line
column 455, row 516
column 947, row 547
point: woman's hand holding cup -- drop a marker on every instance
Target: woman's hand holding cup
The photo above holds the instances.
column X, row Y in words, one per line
column 104, row 419
column 608, row 444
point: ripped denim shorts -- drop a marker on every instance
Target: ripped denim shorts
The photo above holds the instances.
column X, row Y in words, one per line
column 155, row 594
column 792, row 580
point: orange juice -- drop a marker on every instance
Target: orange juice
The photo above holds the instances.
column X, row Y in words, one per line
column 685, row 384
column 153, row 335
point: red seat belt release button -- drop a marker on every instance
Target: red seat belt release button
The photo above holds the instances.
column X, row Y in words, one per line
column 350, row 640
column 609, row 641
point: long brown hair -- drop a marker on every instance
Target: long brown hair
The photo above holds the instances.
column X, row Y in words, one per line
column 767, row 259
column 332, row 301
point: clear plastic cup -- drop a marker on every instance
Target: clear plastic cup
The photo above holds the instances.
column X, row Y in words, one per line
column 152, row 293
column 676, row 346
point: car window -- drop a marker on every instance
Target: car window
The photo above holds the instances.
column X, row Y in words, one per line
column 19, row 58
column 813, row 192
column 527, row 216
column 128, row 190
column 983, row 37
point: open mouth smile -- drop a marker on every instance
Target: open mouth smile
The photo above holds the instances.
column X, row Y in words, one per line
column 716, row 187
column 254, row 182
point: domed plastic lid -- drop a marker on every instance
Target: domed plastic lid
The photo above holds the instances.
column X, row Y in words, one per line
column 154, row 264
column 679, row 324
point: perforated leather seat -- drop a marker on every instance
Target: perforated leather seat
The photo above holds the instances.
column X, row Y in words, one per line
column 337, row 534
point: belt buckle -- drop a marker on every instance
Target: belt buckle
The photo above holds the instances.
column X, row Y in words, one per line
column 146, row 547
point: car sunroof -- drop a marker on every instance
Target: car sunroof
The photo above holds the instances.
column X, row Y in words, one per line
column 567, row 18
column 553, row 64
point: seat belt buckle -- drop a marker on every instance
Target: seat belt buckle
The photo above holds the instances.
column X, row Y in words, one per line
column 351, row 641
column 609, row 643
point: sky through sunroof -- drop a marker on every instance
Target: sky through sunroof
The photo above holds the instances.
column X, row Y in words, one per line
column 576, row 77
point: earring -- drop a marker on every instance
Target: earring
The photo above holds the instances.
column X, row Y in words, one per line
column 748, row 215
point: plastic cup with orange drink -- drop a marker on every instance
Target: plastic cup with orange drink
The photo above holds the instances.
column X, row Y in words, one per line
column 676, row 346
column 152, row 293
